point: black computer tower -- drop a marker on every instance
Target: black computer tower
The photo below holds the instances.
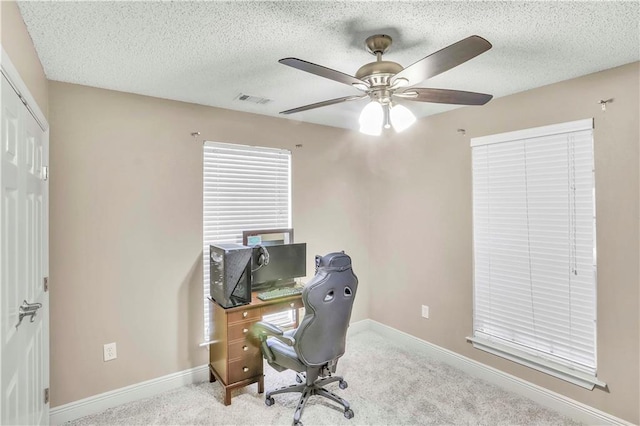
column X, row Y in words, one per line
column 230, row 274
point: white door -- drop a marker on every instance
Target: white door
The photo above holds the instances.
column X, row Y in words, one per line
column 24, row 350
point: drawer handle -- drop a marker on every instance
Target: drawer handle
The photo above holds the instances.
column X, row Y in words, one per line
column 244, row 314
column 245, row 348
column 292, row 305
column 245, row 330
column 245, row 369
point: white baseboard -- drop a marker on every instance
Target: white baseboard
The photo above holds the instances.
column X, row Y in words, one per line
column 549, row 399
column 97, row 403
column 359, row 326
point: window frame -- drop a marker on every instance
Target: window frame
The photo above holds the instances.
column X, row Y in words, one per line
column 244, row 156
column 493, row 344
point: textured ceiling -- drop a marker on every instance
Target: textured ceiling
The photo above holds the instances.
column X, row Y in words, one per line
column 210, row 52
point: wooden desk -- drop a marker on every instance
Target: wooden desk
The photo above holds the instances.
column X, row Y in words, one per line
column 235, row 359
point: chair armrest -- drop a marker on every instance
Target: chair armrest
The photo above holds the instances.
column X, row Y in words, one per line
column 266, row 329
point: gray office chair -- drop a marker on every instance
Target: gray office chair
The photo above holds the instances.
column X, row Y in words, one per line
column 313, row 349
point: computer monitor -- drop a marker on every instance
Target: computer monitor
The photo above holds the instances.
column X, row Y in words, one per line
column 267, row 237
column 286, row 262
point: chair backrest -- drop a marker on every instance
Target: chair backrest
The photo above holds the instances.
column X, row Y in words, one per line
column 328, row 299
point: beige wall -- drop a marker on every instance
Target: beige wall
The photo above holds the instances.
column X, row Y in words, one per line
column 423, row 226
column 126, row 227
column 16, row 41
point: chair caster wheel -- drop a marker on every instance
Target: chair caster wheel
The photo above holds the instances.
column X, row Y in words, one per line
column 348, row 413
column 269, row 401
column 297, row 423
column 343, row 385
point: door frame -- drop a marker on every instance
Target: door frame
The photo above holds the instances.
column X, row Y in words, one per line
column 15, row 81
column 11, row 73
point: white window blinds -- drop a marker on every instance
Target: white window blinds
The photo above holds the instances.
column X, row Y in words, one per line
column 245, row 188
column 534, row 249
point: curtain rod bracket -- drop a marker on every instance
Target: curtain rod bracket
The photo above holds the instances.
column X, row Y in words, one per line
column 603, row 103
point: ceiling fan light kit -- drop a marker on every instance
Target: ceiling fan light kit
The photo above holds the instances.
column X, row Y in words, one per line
column 371, row 119
column 383, row 82
column 401, row 118
column 375, row 116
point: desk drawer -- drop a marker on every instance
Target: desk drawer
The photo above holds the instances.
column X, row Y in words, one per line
column 292, row 304
column 244, row 315
column 244, row 349
column 244, row 368
column 241, row 330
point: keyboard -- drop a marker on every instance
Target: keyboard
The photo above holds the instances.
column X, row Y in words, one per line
column 278, row 293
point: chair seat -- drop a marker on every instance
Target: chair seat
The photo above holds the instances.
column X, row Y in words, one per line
column 284, row 354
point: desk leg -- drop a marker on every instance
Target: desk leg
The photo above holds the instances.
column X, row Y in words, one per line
column 227, row 396
column 261, row 384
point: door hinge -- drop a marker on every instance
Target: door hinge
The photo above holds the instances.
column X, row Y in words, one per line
column 45, row 283
column 45, row 172
column 46, row 396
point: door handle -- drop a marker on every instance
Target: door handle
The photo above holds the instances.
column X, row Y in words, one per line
column 27, row 310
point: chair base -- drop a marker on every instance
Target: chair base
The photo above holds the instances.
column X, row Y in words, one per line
column 307, row 390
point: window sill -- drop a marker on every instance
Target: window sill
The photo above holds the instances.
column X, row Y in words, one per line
column 581, row 379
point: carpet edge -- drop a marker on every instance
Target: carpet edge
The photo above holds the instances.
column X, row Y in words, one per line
column 549, row 399
column 100, row 402
column 545, row 397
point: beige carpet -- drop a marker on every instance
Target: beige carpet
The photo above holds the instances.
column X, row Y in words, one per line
column 387, row 386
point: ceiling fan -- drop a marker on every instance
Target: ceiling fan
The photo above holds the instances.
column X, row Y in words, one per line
column 384, row 82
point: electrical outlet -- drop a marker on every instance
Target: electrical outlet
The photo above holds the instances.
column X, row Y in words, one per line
column 109, row 351
column 425, row 311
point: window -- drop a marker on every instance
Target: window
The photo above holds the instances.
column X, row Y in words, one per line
column 534, row 249
column 245, row 188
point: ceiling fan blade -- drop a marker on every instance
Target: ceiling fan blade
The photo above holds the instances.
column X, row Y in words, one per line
column 445, row 96
column 443, row 60
column 325, row 72
column 324, row 103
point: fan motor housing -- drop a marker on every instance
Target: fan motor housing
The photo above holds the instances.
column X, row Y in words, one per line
column 378, row 73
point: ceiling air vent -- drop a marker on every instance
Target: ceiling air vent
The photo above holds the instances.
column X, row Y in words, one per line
column 253, row 99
